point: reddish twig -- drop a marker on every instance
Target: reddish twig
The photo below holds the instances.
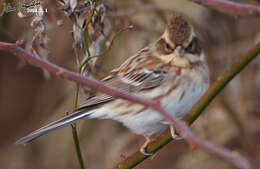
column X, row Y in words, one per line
column 236, row 159
column 197, row 109
column 231, row 7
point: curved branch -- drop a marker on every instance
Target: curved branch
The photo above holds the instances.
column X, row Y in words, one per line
column 236, row 159
column 197, row 109
column 230, row 7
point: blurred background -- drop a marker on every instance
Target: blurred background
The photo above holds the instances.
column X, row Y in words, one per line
column 30, row 98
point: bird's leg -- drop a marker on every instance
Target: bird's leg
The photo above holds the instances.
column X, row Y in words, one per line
column 144, row 146
column 174, row 135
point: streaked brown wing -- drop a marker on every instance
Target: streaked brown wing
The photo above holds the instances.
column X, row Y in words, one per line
column 132, row 83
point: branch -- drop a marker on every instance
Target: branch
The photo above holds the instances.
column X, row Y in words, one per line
column 231, row 7
column 237, row 160
column 76, row 93
column 196, row 110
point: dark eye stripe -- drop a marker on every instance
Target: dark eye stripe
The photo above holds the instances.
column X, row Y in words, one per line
column 163, row 47
column 194, row 47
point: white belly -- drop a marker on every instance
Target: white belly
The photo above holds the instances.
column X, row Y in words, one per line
column 177, row 104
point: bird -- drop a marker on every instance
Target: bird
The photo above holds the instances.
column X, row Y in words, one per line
column 173, row 70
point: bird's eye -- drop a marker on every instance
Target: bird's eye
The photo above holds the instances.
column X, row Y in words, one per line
column 167, row 48
column 194, row 47
column 163, row 47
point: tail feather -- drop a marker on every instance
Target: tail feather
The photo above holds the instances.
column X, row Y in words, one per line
column 65, row 121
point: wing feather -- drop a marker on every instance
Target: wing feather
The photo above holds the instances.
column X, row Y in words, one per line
column 135, row 82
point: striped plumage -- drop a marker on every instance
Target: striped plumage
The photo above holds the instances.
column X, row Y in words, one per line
column 172, row 70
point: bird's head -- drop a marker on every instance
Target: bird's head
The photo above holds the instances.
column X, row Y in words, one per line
column 179, row 44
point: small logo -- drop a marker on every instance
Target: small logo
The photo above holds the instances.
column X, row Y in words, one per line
column 23, row 8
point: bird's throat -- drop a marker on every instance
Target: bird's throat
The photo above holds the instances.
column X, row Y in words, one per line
column 178, row 61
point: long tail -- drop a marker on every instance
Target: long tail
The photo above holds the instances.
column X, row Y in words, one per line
column 65, row 121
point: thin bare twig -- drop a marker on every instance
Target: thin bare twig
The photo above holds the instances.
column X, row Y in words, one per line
column 85, row 28
column 76, row 93
column 236, row 159
column 87, row 59
column 230, row 7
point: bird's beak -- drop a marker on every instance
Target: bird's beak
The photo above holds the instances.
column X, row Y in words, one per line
column 179, row 51
column 179, row 59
